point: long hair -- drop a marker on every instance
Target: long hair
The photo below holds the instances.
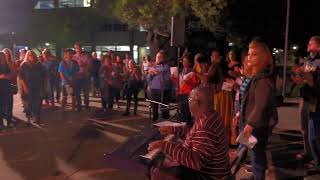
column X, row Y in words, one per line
column 266, row 60
column 2, row 58
column 9, row 54
column 26, row 58
column 247, row 70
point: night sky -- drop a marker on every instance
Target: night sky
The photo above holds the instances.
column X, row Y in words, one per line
column 250, row 18
column 267, row 18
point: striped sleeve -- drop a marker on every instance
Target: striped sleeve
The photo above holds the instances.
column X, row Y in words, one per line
column 196, row 157
column 180, row 131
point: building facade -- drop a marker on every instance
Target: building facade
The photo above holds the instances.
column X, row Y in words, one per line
column 57, row 24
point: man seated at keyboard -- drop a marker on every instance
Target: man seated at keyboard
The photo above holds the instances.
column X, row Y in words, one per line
column 204, row 152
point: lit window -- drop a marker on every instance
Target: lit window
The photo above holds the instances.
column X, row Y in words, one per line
column 45, row 4
column 74, row 3
column 123, row 48
column 135, row 53
column 141, row 29
column 50, row 4
column 105, row 48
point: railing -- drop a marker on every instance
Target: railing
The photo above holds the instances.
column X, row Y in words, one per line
column 164, row 107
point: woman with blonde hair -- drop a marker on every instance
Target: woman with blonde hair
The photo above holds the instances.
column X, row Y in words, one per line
column 259, row 111
column 32, row 77
column 13, row 66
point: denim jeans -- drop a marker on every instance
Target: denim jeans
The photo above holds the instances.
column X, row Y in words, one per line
column 314, row 138
column 81, row 85
column 304, row 118
column 258, row 153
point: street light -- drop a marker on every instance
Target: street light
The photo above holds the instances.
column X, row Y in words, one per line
column 47, row 44
column 295, row 47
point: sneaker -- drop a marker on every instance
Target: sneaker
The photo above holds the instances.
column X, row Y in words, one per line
column 312, row 168
column 39, row 122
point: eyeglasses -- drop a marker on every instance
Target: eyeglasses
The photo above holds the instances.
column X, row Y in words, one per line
column 192, row 99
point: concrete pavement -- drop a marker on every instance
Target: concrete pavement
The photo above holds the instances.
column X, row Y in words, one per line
column 71, row 145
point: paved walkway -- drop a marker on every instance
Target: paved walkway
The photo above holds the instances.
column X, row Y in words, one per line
column 71, row 145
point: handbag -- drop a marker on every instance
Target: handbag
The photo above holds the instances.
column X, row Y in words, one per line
column 13, row 88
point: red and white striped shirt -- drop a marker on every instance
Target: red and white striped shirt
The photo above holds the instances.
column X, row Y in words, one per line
column 205, row 148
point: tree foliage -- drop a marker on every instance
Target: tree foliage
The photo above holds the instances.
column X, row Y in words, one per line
column 156, row 15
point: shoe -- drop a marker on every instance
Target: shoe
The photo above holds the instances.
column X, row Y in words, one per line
column 310, row 165
column 312, row 169
column 87, row 108
column 38, row 121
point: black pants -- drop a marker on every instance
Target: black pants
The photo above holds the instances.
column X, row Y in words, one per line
column 81, row 85
column 108, row 95
column 32, row 104
column 304, row 118
column 162, row 96
column 184, row 109
column 9, row 109
column 134, row 92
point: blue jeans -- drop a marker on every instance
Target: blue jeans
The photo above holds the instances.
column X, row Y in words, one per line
column 258, row 153
column 81, row 85
column 314, row 138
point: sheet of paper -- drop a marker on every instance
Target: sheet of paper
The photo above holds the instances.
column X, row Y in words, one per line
column 227, row 86
column 250, row 142
column 169, row 123
column 174, row 71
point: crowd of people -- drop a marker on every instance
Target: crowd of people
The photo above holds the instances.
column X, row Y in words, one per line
column 45, row 80
column 217, row 99
column 243, row 101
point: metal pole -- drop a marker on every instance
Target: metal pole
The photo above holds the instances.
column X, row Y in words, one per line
column 286, row 50
column 178, row 67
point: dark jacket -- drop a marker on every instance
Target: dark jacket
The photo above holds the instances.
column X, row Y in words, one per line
column 308, row 93
column 260, row 102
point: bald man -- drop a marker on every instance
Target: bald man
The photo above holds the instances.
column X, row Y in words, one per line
column 204, row 152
